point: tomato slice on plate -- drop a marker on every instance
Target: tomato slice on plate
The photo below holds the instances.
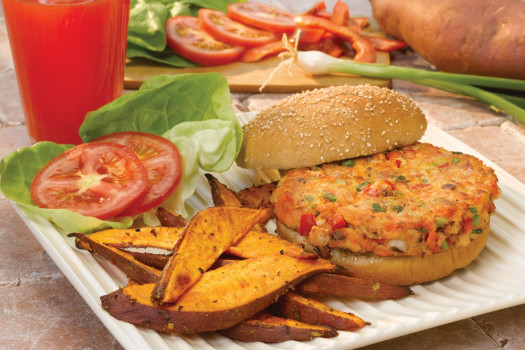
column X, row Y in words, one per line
column 262, row 16
column 229, row 31
column 162, row 161
column 94, row 179
column 185, row 36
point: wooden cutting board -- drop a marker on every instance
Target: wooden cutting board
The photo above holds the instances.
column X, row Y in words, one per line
column 249, row 77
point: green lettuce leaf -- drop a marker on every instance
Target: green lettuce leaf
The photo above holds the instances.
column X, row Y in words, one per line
column 17, row 171
column 146, row 33
column 146, row 24
column 219, row 5
column 163, row 102
column 192, row 110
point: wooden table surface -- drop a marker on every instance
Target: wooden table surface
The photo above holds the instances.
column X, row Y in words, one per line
column 40, row 309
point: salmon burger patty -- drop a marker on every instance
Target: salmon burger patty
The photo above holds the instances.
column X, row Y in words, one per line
column 415, row 201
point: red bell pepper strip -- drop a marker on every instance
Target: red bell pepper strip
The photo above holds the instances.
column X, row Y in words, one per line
column 371, row 191
column 336, row 221
column 365, row 52
column 362, row 22
column 306, row 224
column 257, row 53
column 432, row 241
column 341, row 14
column 386, row 44
column 327, row 45
column 311, row 35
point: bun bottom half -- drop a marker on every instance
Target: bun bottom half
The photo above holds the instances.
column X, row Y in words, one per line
column 400, row 270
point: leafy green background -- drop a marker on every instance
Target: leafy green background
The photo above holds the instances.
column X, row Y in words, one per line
column 146, row 34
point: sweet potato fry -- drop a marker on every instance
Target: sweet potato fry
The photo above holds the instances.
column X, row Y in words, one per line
column 133, row 268
column 220, row 299
column 154, row 237
column 109, row 244
column 155, row 260
column 205, row 238
column 256, row 243
column 222, row 195
column 168, row 218
column 267, row 328
column 333, row 284
column 257, row 196
column 297, row 307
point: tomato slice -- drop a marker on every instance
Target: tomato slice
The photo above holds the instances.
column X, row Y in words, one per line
column 162, row 161
column 229, row 31
column 262, row 16
column 185, row 36
column 93, row 179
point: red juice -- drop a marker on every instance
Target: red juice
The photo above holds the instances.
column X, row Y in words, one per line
column 69, row 58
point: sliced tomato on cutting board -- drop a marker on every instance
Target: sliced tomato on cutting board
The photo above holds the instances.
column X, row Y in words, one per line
column 162, row 161
column 262, row 16
column 229, row 31
column 94, row 179
column 185, row 36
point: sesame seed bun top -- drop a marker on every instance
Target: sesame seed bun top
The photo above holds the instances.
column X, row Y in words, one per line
column 330, row 124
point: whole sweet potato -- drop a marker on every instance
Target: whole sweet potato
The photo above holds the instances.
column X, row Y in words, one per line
column 484, row 37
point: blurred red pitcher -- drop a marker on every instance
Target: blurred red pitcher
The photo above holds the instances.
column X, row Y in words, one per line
column 69, row 58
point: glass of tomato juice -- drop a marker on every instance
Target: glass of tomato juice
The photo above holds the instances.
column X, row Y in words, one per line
column 69, row 57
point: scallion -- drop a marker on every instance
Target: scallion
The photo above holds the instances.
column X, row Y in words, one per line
column 318, row 63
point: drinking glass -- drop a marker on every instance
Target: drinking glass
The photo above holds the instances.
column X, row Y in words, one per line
column 69, row 57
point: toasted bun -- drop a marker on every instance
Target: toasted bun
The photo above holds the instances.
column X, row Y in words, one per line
column 330, row 124
column 400, row 270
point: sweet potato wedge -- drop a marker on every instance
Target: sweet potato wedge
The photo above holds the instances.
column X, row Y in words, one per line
column 109, row 244
column 205, row 238
column 222, row 195
column 168, row 218
column 256, row 243
column 220, row 299
column 333, row 284
column 268, row 328
column 257, row 196
column 154, row 237
column 295, row 306
column 155, row 260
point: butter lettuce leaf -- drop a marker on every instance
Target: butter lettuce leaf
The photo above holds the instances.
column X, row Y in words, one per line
column 146, row 24
column 17, row 171
column 194, row 111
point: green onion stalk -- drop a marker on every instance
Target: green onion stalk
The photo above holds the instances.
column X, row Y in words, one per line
column 318, row 63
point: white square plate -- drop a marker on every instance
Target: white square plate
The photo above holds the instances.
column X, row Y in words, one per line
column 488, row 284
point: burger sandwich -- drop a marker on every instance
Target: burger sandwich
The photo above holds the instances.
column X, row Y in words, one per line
column 360, row 189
